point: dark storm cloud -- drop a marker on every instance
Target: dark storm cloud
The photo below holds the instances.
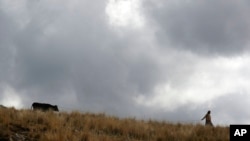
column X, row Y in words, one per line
column 72, row 57
column 7, row 28
column 207, row 27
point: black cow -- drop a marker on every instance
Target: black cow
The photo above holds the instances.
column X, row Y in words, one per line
column 44, row 107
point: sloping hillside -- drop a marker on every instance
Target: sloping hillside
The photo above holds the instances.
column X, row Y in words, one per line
column 27, row 125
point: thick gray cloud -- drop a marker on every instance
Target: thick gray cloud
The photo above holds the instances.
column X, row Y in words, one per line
column 175, row 63
column 207, row 27
column 73, row 53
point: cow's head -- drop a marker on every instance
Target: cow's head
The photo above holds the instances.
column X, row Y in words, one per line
column 55, row 108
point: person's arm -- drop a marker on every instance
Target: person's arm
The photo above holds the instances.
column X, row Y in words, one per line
column 204, row 117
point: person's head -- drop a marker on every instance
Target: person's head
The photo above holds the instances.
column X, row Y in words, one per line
column 208, row 111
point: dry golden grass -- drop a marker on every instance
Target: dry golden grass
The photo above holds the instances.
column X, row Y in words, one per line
column 28, row 125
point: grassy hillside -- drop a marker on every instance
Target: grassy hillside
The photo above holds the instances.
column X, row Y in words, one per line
column 27, row 125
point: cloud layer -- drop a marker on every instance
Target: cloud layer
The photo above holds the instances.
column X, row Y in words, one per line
column 207, row 27
column 170, row 60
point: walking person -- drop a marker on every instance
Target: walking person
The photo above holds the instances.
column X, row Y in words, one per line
column 208, row 119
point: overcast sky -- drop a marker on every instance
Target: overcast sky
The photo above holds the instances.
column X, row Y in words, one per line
column 170, row 60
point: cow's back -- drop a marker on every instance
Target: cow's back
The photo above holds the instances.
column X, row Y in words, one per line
column 36, row 105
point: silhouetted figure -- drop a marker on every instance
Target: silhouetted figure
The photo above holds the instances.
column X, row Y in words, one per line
column 208, row 119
